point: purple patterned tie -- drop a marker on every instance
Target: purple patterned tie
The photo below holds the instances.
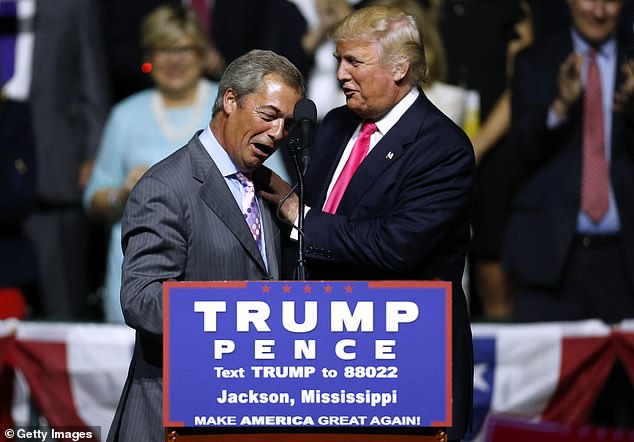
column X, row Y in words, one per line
column 250, row 208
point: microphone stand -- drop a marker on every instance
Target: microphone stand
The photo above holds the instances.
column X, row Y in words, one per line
column 301, row 272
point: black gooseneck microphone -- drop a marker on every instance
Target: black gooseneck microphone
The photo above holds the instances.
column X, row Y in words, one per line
column 301, row 136
column 305, row 115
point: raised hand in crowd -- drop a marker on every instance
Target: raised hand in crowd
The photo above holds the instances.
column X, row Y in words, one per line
column 624, row 95
column 569, row 84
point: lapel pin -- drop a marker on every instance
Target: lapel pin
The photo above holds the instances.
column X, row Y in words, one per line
column 389, row 155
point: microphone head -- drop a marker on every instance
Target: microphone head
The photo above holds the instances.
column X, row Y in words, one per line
column 305, row 109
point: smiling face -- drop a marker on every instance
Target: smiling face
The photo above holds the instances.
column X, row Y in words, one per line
column 371, row 87
column 253, row 127
column 595, row 20
column 177, row 68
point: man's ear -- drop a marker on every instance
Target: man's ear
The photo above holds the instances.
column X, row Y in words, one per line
column 229, row 101
column 400, row 71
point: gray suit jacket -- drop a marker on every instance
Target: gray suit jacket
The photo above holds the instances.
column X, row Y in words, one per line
column 181, row 223
column 69, row 99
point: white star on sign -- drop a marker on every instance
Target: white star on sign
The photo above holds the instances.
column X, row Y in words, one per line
column 479, row 383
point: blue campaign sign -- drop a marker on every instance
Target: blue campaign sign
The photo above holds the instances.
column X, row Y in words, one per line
column 307, row 353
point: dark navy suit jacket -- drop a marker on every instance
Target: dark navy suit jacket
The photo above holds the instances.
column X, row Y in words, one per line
column 544, row 212
column 404, row 215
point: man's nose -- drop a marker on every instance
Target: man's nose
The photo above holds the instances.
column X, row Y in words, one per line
column 599, row 8
column 277, row 129
column 342, row 72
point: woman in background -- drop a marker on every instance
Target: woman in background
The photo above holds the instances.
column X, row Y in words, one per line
column 149, row 125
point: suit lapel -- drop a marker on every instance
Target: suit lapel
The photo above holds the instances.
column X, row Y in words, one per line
column 217, row 196
column 385, row 153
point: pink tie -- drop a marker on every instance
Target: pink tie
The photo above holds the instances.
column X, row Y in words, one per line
column 359, row 151
column 595, row 173
column 250, row 208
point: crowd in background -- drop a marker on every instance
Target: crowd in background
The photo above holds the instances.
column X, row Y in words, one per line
column 98, row 91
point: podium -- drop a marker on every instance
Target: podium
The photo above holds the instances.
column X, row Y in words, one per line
column 175, row 435
column 327, row 361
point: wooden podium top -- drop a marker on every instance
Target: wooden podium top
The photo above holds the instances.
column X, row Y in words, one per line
column 189, row 435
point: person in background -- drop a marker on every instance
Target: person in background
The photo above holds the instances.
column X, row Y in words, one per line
column 481, row 64
column 121, row 23
column 195, row 217
column 17, row 200
column 54, row 102
column 390, row 182
column 321, row 82
column 569, row 245
column 149, row 125
column 499, row 182
column 276, row 25
column 498, row 122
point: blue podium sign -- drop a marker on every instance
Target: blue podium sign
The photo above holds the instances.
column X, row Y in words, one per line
column 307, row 354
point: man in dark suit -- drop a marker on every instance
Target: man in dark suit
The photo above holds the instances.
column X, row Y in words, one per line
column 570, row 240
column 404, row 212
column 56, row 90
column 184, row 220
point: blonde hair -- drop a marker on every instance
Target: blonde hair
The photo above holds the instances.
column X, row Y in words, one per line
column 434, row 47
column 396, row 33
column 169, row 23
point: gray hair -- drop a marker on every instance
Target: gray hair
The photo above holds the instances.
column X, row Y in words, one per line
column 244, row 75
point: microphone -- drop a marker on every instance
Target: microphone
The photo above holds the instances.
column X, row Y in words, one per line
column 301, row 136
column 305, row 114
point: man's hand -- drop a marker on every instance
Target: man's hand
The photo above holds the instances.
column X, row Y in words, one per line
column 85, row 170
column 274, row 189
column 569, row 82
column 133, row 177
column 624, row 96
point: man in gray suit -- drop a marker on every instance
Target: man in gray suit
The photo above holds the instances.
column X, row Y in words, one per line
column 185, row 220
